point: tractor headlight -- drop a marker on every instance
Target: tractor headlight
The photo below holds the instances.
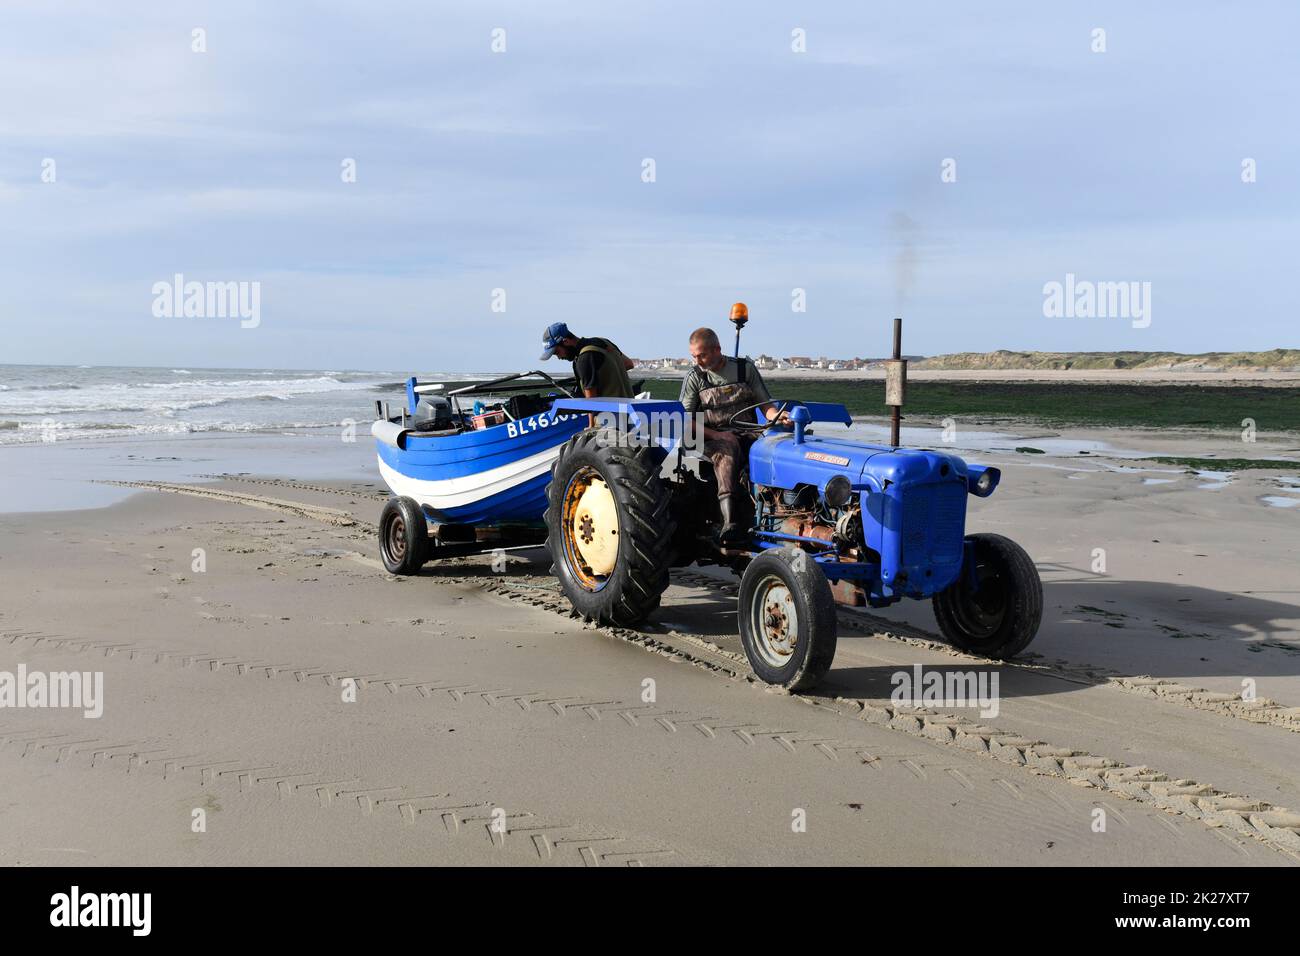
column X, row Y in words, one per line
column 838, row 491
column 982, row 480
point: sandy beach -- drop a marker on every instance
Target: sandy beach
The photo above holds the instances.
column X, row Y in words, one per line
column 1164, row 691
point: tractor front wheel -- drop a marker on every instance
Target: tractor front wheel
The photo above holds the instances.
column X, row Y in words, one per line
column 787, row 618
column 993, row 609
column 609, row 527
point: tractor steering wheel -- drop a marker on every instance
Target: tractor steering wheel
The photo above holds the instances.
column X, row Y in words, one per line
column 750, row 424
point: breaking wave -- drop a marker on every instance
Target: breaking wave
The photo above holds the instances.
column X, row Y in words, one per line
column 164, row 397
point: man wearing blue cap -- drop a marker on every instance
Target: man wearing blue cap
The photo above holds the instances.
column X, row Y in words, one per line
column 600, row 368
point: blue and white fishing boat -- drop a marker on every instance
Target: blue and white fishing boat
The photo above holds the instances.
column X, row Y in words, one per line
column 471, row 471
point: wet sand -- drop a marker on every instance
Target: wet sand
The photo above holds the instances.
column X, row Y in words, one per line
column 478, row 699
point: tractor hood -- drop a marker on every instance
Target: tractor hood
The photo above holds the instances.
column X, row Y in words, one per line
column 780, row 461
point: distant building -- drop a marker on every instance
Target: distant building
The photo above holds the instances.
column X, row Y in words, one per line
column 799, row 361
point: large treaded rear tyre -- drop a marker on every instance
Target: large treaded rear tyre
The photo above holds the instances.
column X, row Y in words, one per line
column 1000, row 617
column 787, row 618
column 609, row 527
column 403, row 536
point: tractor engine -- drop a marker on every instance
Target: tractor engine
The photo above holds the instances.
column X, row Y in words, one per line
column 803, row 512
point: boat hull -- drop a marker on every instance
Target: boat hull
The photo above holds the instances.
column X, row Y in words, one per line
column 481, row 477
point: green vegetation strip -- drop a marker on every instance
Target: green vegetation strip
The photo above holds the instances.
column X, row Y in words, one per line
column 1212, row 407
column 1227, row 464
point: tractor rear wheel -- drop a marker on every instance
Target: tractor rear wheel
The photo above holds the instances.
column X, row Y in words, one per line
column 787, row 618
column 403, row 536
column 999, row 616
column 609, row 527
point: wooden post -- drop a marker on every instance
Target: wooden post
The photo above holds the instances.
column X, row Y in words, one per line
column 896, row 384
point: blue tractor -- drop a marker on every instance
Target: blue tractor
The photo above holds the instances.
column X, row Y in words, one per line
column 833, row 521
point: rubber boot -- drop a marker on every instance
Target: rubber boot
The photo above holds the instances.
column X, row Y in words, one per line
column 732, row 533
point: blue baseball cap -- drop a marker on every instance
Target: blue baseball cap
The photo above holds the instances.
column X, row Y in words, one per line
column 555, row 333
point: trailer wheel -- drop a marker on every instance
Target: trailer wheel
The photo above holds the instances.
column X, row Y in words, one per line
column 1000, row 616
column 787, row 618
column 609, row 527
column 403, row 536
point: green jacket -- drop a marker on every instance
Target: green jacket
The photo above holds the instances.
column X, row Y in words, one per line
column 604, row 369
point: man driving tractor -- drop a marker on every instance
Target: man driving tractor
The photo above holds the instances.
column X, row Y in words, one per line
column 720, row 387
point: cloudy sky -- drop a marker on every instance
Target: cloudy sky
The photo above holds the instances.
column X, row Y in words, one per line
column 522, row 170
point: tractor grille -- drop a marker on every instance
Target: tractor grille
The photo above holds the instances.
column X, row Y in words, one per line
column 934, row 520
column 916, row 517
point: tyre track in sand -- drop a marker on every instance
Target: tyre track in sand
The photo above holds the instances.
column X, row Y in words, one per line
column 1260, row 710
column 331, row 516
column 1276, row 825
column 1273, row 824
column 460, row 815
column 994, row 797
column 238, row 768
column 294, row 484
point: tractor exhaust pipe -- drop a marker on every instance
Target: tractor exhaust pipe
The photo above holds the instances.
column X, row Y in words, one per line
column 896, row 385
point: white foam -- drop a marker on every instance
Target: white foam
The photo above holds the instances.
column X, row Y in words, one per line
column 163, row 397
